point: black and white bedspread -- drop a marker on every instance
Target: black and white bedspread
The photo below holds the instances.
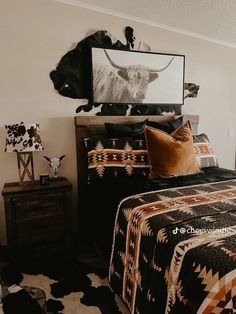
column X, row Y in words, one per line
column 174, row 250
column 104, row 196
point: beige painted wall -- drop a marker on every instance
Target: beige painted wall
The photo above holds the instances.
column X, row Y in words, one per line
column 36, row 34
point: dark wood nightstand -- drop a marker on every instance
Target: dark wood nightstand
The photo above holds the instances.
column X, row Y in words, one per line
column 38, row 217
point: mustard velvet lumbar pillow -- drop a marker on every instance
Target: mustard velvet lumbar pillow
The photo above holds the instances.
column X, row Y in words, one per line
column 171, row 155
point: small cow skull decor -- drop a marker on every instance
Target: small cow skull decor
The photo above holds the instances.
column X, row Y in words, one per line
column 54, row 164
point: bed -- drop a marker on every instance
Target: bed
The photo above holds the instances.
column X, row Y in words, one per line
column 173, row 240
column 91, row 235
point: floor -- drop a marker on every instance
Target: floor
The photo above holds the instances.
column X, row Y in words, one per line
column 71, row 302
column 90, row 296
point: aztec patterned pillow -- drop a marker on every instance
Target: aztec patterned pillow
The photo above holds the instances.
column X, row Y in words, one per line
column 203, row 151
column 109, row 158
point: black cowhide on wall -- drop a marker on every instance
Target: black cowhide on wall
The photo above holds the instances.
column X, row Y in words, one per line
column 72, row 77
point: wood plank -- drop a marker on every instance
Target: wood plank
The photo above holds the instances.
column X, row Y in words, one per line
column 100, row 120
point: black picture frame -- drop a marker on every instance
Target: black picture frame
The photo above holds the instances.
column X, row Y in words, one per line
column 114, row 83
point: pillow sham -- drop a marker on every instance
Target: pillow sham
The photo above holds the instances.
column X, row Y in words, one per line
column 171, row 155
column 135, row 130
column 167, row 127
column 203, row 151
column 111, row 158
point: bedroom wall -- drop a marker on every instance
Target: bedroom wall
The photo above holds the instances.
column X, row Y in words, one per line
column 36, row 34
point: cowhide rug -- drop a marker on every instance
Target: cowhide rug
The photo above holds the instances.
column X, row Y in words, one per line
column 71, row 287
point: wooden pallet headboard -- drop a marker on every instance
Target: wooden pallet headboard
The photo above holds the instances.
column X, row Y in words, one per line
column 88, row 126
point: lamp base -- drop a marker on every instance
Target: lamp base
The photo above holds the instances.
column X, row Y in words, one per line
column 25, row 167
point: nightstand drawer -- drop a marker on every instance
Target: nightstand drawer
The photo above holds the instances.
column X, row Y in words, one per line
column 40, row 230
column 38, row 218
column 39, row 206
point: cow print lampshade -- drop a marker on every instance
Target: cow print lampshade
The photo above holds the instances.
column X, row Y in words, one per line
column 22, row 138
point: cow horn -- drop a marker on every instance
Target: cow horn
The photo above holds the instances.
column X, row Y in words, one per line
column 114, row 64
column 62, row 157
column 48, row 159
column 162, row 69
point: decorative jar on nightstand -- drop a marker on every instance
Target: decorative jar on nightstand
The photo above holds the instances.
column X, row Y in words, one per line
column 38, row 218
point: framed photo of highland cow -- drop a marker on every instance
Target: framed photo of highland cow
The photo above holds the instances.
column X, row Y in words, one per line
column 135, row 77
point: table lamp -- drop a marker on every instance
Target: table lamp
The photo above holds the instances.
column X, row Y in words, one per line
column 24, row 140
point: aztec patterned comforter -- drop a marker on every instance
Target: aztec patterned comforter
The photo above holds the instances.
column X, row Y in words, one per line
column 174, row 250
